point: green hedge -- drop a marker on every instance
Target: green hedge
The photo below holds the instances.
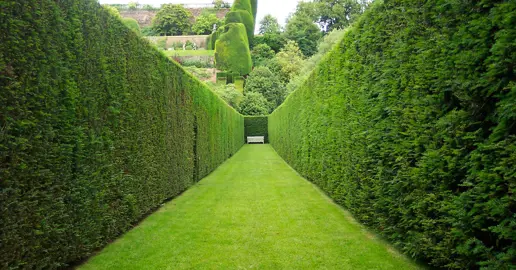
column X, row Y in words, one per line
column 256, row 126
column 254, row 6
column 243, row 5
column 214, row 37
column 232, row 52
column 239, row 82
column 97, row 129
column 242, row 16
column 409, row 124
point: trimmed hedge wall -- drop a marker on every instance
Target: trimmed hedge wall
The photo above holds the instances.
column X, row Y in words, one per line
column 256, row 126
column 242, row 16
column 232, row 52
column 410, row 124
column 97, row 129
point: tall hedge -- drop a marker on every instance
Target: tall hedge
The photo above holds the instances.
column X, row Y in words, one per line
column 410, row 124
column 242, row 16
column 232, row 50
column 97, row 128
column 256, row 126
column 254, row 6
column 243, row 5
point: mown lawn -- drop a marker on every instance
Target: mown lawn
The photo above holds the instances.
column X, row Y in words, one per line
column 190, row 53
column 253, row 212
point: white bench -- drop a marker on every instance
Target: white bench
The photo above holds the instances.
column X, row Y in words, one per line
column 256, row 139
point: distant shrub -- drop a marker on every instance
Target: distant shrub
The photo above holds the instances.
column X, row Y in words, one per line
column 148, row 31
column 132, row 5
column 161, row 43
column 178, row 45
column 172, row 20
column 261, row 53
column 196, row 63
column 228, row 93
column 204, row 24
column 254, row 103
column 263, row 81
column 200, row 73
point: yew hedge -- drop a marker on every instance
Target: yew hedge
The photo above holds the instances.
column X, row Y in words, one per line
column 410, row 124
column 97, row 128
column 232, row 52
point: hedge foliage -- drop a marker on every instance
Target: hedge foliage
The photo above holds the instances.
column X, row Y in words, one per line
column 212, row 39
column 242, row 16
column 410, row 124
column 256, row 126
column 243, row 5
column 97, row 128
column 232, row 52
column 254, row 6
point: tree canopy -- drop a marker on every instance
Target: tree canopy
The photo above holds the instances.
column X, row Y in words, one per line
column 261, row 53
column 304, row 32
column 269, row 25
column 254, row 104
column 263, row 81
column 204, row 24
column 172, row 20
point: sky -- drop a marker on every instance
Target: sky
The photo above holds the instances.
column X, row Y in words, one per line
column 277, row 8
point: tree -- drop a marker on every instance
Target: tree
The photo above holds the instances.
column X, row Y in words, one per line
column 172, row 20
column 254, row 104
column 218, row 4
column 288, row 62
column 232, row 50
column 204, row 24
column 263, row 81
column 261, row 53
column 132, row 5
column 275, row 41
column 269, row 25
column 229, row 93
column 338, row 14
column 304, row 32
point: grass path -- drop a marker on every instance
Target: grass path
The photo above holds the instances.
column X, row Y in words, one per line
column 253, row 212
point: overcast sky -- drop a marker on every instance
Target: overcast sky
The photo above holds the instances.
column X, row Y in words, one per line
column 278, row 8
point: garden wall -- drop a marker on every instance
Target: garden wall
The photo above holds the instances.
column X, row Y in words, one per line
column 144, row 17
column 97, row 129
column 409, row 123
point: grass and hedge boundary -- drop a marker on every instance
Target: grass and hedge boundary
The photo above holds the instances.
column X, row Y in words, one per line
column 97, row 129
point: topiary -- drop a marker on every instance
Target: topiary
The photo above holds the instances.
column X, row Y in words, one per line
column 242, row 16
column 214, row 36
column 232, row 50
column 243, row 5
column 254, row 6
